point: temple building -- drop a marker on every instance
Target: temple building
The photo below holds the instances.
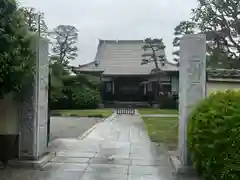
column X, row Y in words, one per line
column 118, row 63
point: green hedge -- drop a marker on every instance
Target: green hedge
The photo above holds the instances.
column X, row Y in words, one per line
column 167, row 102
column 214, row 136
column 85, row 98
column 75, row 98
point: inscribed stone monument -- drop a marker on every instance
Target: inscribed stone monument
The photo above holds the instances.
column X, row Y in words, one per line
column 34, row 111
column 192, row 84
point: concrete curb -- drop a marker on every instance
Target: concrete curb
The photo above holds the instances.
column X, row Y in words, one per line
column 35, row 164
column 181, row 170
column 111, row 118
column 85, row 134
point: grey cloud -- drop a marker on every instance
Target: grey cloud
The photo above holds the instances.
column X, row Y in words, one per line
column 112, row 19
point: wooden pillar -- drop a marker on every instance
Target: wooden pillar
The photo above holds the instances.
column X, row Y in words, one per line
column 145, row 89
column 113, row 87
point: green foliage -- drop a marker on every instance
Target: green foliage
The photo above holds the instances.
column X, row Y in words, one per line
column 16, row 57
column 96, row 116
column 154, row 52
column 82, row 79
column 73, row 115
column 73, row 97
column 76, row 92
column 65, row 43
column 85, row 98
column 57, row 72
column 219, row 21
column 32, row 18
column 220, row 18
column 167, row 101
column 56, row 114
column 220, row 59
column 183, row 28
column 98, row 113
column 57, row 98
column 214, row 136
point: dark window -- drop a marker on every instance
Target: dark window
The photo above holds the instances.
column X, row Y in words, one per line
column 166, row 87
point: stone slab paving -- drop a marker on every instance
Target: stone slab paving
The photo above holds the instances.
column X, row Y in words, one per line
column 70, row 127
column 124, row 137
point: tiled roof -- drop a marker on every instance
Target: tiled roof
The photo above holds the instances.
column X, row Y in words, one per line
column 223, row 73
column 122, row 58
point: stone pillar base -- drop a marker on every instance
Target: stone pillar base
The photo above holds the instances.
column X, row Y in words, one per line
column 183, row 170
column 33, row 164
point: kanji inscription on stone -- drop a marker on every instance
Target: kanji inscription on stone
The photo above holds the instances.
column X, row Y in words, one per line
column 195, row 93
column 194, row 71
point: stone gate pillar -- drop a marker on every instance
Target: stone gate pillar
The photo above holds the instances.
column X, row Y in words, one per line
column 34, row 110
column 192, row 84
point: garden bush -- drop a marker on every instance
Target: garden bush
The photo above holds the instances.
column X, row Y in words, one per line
column 74, row 91
column 167, row 101
column 75, row 98
column 16, row 56
column 74, row 115
column 214, row 136
column 85, row 98
column 96, row 116
column 56, row 114
column 58, row 99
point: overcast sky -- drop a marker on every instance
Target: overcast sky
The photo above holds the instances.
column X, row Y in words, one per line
column 115, row 19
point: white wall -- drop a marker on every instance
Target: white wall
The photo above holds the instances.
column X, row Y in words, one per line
column 213, row 86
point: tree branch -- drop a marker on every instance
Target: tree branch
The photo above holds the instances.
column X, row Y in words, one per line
column 154, row 56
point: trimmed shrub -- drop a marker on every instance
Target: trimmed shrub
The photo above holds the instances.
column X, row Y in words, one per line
column 75, row 98
column 58, row 99
column 75, row 92
column 214, row 136
column 167, row 101
column 56, row 114
column 74, row 115
column 85, row 98
column 96, row 116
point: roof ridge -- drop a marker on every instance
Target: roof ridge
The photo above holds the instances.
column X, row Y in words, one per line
column 121, row 40
column 99, row 52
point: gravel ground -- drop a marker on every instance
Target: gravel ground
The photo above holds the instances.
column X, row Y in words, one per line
column 70, row 127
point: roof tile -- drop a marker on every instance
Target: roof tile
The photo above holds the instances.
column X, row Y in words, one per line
column 121, row 58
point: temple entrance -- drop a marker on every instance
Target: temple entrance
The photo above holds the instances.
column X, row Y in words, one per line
column 129, row 89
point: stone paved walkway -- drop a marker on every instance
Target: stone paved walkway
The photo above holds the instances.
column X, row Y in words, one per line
column 70, row 127
column 124, row 137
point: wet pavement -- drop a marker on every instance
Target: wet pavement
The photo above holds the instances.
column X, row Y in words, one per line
column 122, row 137
column 70, row 127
